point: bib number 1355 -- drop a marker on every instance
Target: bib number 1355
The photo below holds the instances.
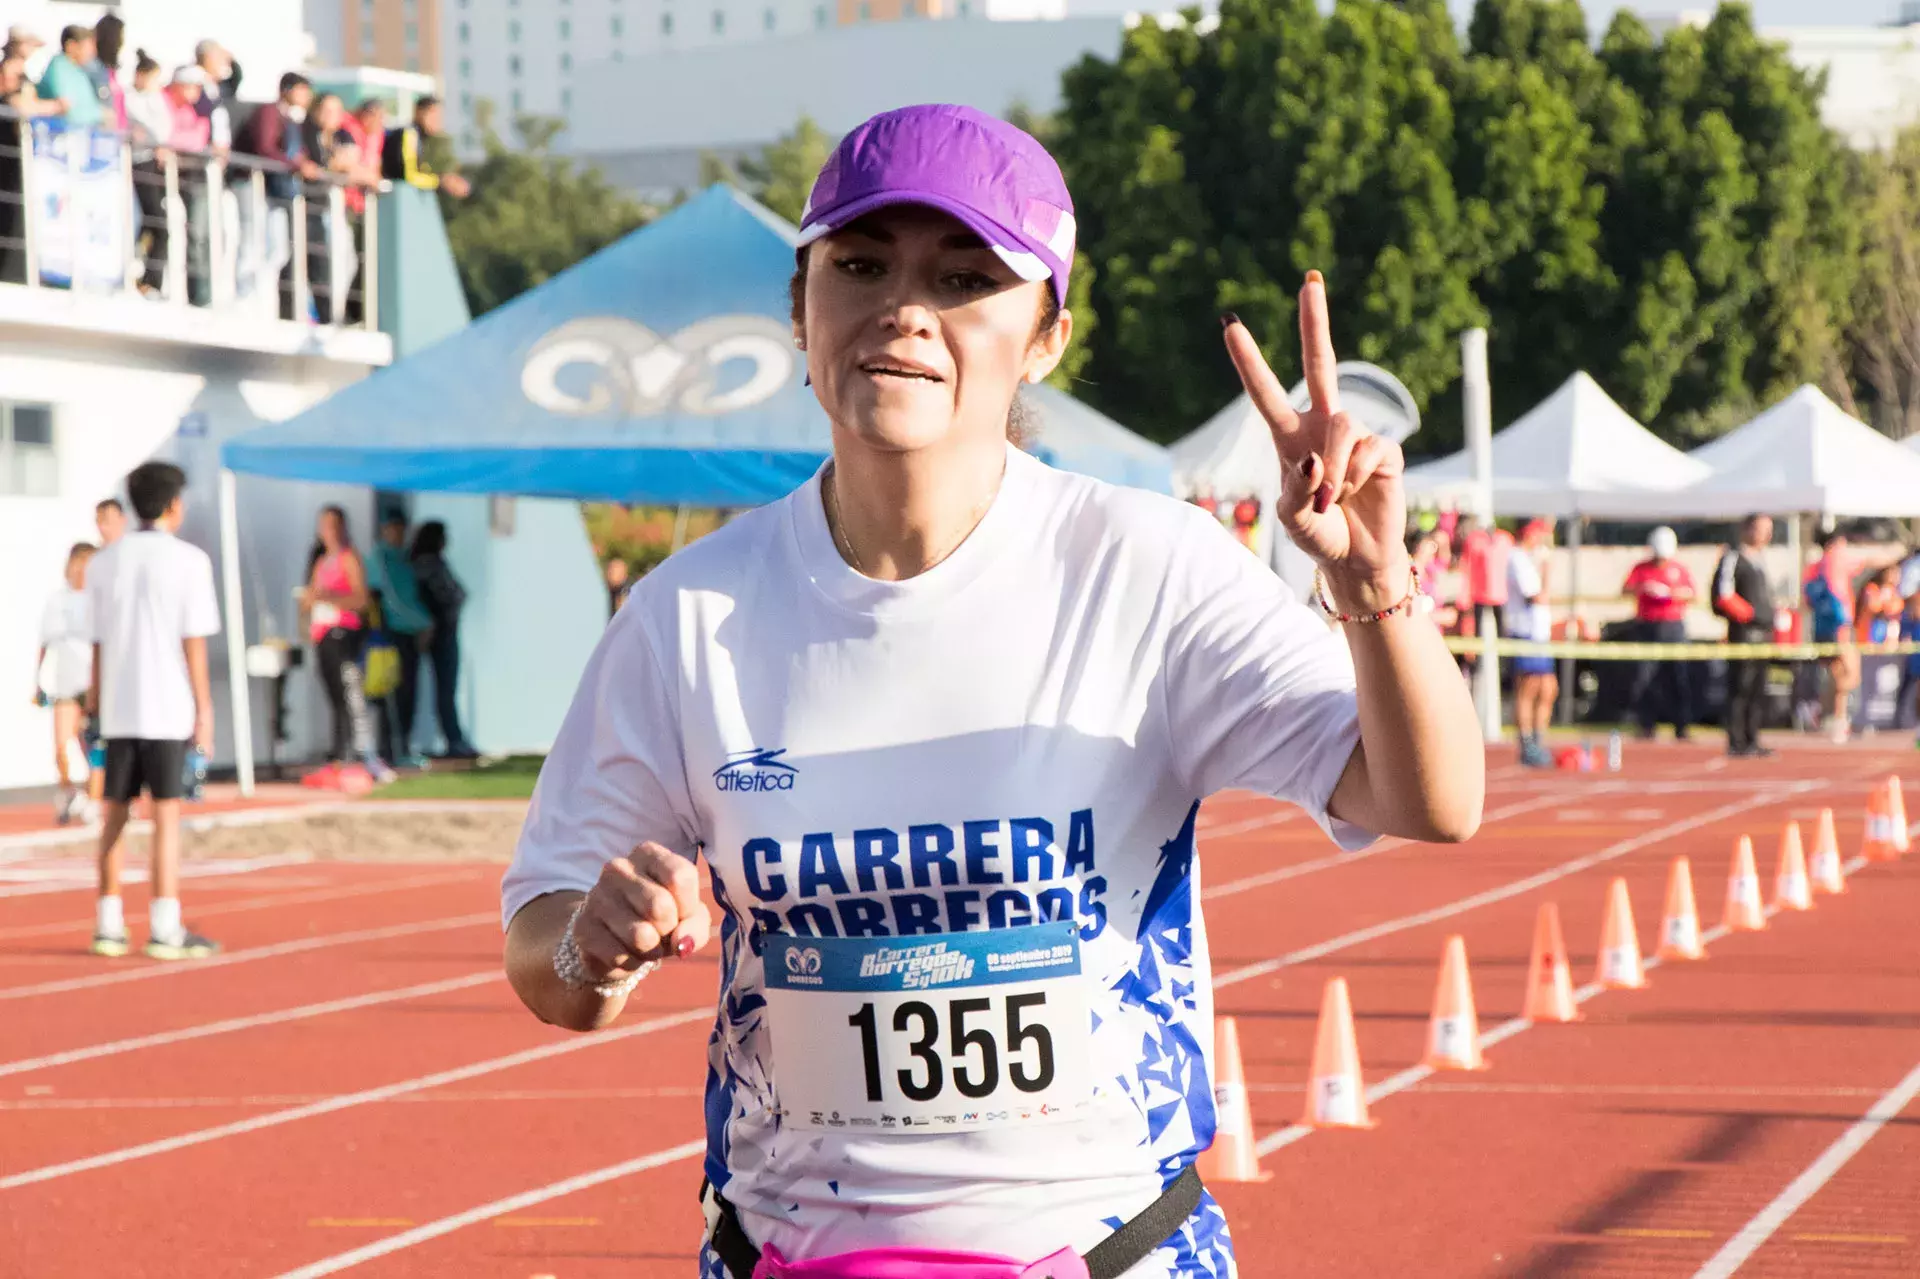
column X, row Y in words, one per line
column 959, row 1031
column 970, row 1061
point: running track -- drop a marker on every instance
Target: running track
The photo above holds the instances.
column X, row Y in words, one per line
column 353, row 1088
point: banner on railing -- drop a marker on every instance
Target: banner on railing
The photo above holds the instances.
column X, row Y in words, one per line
column 81, row 207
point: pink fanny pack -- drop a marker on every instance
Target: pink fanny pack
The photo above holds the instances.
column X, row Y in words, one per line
column 918, row 1263
column 1109, row 1259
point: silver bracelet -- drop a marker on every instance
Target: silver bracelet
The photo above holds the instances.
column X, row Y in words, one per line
column 571, row 969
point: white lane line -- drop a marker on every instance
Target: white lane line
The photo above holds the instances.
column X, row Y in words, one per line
column 498, row 1208
column 1769, row 1219
column 1331, row 860
column 1611, row 852
column 40, row 881
column 443, row 1097
column 1503, row 1032
column 114, row 1048
column 298, row 946
column 327, row 891
column 347, row 1101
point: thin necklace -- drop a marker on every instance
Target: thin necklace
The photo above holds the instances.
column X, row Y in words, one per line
column 830, row 486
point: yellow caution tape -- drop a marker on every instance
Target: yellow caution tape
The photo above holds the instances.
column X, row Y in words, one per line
column 1697, row 652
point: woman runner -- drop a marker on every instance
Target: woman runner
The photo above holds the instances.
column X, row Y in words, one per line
column 941, row 721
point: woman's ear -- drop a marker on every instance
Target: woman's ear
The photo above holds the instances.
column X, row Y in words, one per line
column 1044, row 356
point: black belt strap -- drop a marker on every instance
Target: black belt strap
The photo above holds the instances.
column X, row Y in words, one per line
column 1112, row 1257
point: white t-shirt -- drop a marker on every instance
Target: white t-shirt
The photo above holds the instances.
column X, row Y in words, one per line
column 1031, row 724
column 1524, row 620
column 149, row 591
column 66, row 631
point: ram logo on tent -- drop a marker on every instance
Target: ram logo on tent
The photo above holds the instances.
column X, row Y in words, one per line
column 636, row 373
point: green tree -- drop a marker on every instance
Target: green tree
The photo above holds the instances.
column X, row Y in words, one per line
column 1728, row 225
column 1885, row 334
column 532, row 214
column 1530, row 165
column 1214, row 168
column 781, row 175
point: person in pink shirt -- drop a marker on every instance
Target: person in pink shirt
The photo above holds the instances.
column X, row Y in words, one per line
column 335, row 604
column 191, row 139
column 1662, row 589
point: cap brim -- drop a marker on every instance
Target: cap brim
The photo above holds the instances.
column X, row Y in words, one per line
column 1007, row 246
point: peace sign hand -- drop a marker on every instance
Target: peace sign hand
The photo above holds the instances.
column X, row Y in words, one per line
column 1341, row 497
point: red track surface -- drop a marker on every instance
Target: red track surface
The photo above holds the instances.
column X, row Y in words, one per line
column 353, row 1072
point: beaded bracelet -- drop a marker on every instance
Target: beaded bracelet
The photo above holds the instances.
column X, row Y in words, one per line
column 571, row 969
column 1406, row 604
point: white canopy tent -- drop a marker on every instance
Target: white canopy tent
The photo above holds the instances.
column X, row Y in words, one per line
column 1576, row 453
column 1231, row 455
column 1803, row 455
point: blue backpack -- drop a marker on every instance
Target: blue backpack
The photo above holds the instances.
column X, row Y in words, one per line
column 1829, row 611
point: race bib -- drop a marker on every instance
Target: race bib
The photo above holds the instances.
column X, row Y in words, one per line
column 951, row 1033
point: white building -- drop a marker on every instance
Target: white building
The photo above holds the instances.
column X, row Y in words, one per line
column 631, row 117
column 533, row 56
column 1873, row 72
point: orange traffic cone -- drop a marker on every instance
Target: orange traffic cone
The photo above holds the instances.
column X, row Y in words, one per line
column 1680, row 927
column 1791, row 890
column 1453, row 1038
column 1336, row 1096
column 1620, row 966
column 1877, row 844
column 1897, row 814
column 1231, row 1157
column 1826, row 873
column 1549, row 976
column 1744, row 914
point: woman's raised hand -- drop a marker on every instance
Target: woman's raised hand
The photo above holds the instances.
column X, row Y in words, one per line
column 1341, row 497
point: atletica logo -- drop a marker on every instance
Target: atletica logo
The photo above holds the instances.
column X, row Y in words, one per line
column 758, row 769
column 803, row 961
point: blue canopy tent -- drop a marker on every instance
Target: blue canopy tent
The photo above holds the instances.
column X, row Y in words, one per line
column 661, row 369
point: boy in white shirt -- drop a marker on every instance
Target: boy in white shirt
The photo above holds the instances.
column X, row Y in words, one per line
column 63, row 671
column 153, row 608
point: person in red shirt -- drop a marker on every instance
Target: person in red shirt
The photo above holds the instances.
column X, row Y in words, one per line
column 1661, row 589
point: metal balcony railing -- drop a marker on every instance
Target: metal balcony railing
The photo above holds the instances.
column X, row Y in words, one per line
column 80, row 209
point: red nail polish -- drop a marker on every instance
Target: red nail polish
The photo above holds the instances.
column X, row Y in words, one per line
column 1322, row 499
column 1228, row 320
column 683, row 947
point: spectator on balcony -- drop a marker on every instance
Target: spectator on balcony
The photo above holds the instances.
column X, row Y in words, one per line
column 66, row 80
column 18, row 94
column 405, row 155
column 149, row 130
column 191, row 139
column 221, row 85
column 365, row 129
column 333, row 155
column 109, row 38
column 22, row 42
column 275, row 135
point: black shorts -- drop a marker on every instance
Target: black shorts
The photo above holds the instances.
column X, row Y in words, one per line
column 135, row 764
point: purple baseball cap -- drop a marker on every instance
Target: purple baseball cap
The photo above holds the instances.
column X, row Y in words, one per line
column 996, row 179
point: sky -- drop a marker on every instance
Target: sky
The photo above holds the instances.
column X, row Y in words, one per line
column 1769, row 13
